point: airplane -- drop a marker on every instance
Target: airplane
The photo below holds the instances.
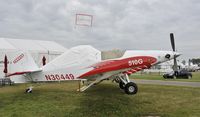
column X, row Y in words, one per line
column 191, row 67
column 84, row 63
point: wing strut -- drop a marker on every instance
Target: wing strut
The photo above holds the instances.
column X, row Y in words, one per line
column 85, row 87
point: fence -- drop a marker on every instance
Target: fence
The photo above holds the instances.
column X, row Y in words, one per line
column 5, row 81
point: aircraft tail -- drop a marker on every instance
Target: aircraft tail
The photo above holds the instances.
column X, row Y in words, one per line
column 21, row 62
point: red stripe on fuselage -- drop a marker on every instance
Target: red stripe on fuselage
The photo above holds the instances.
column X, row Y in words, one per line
column 113, row 65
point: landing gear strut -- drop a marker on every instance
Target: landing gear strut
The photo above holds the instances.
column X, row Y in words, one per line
column 128, row 86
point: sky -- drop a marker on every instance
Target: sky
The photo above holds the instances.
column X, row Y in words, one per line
column 117, row 24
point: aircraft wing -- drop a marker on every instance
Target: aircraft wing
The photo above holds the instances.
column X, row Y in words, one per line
column 113, row 66
column 107, row 69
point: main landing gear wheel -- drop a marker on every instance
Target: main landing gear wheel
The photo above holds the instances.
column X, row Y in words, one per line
column 131, row 88
column 121, row 85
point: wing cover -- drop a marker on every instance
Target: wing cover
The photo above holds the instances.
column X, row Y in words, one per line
column 75, row 61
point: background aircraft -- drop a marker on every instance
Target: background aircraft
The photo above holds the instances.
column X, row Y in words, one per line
column 84, row 63
column 191, row 67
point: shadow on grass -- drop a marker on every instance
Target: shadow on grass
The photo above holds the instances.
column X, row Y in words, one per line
column 60, row 100
column 108, row 100
column 103, row 100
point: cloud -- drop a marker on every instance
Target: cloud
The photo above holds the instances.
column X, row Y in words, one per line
column 128, row 24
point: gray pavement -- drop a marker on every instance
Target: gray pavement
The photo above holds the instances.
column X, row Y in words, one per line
column 163, row 82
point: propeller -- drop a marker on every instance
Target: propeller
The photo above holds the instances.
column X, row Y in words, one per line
column 172, row 41
column 175, row 67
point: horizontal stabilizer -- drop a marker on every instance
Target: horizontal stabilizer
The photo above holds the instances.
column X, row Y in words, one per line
column 21, row 73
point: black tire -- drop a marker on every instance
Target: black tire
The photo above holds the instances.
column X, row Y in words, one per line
column 131, row 88
column 165, row 77
column 121, row 85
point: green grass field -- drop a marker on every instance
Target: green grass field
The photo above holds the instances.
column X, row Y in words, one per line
column 156, row 76
column 103, row 100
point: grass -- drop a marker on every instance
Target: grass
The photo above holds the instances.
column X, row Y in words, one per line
column 156, row 76
column 103, row 100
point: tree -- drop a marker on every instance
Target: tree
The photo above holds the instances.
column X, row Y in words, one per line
column 195, row 60
column 184, row 62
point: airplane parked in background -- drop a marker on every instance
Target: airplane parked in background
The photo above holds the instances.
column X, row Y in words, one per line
column 84, row 63
column 192, row 67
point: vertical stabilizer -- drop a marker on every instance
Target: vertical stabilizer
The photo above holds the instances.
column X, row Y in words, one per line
column 21, row 62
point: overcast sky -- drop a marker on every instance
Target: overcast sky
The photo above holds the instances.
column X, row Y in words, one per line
column 122, row 24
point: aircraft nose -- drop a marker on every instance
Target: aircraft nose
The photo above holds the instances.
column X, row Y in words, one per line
column 176, row 54
column 172, row 55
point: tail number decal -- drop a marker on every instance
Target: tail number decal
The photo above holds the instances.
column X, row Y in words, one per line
column 53, row 77
column 18, row 58
column 135, row 62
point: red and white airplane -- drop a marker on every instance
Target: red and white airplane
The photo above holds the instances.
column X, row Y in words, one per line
column 84, row 63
